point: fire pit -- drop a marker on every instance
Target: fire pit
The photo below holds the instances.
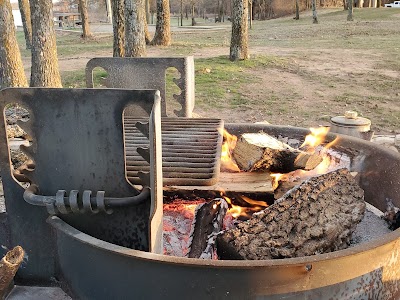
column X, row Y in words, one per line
column 89, row 267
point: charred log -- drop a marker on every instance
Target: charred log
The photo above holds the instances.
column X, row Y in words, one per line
column 260, row 151
column 318, row 216
column 8, row 267
column 207, row 223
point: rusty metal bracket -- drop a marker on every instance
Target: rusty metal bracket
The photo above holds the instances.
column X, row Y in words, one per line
column 148, row 73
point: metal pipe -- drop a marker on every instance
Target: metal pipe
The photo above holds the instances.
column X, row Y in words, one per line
column 31, row 197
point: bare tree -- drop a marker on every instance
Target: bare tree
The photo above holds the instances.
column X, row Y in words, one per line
column 350, row 10
column 118, row 19
column 251, row 14
column 297, row 17
column 109, row 11
column 44, row 70
column 82, row 5
column 314, row 11
column 135, row 42
column 26, row 21
column 11, row 68
column 192, row 4
column 239, row 38
column 146, row 21
column 162, row 35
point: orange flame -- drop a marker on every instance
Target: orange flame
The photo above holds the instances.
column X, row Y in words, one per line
column 315, row 138
column 275, row 180
column 311, row 142
column 227, row 163
column 240, row 211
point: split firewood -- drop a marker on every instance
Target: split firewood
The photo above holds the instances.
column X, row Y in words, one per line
column 260, row 151
column 8, row 267
column 208, row 222
column 318, row 216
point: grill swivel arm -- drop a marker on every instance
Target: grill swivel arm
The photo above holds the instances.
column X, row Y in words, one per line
column 71, row 204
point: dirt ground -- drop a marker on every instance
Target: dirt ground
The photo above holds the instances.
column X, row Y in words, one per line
column 327, row 68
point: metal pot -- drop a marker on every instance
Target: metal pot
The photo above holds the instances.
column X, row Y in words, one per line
column 353, row 125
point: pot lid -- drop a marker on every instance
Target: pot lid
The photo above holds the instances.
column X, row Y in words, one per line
column 351, row 118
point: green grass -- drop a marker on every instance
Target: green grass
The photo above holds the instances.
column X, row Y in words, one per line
column 295, row 50
column 219, row 81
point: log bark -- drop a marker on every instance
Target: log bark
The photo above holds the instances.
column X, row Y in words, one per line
column 26, row 21
column 44, row 70
column 260, row 151
column 239, row 49
column 118, row 10
column 208, row 222
column 8, row 267
column 11, row 67
column 135, row 42
column 317, row 217
column 162, row 35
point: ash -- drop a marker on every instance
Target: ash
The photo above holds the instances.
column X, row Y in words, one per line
column 371, row 227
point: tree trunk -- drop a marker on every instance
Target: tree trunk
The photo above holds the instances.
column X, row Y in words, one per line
column 378, row 3
column 162, row 35
column 251, row 14
column 44, row 71
column 344, row 4
column 314, row 11
column 11, row 68
column 82, row 5
column 118, row 11
column 181, row 12
column 297, row 17
column 26, row 21
column 193, row 20
column 350, row 10
column 146, row 22
column 135, row 43
column 109, row 11
column 239, row 38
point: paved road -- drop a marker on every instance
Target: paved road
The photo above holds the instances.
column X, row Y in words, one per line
column 107, row 28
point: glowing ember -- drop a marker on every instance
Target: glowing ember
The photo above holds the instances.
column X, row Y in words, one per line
column 177, row 225
column 227, row 164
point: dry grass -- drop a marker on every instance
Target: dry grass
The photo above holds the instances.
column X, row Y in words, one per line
column 300, row 74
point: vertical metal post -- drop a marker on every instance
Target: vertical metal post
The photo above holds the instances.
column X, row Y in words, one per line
column 156, row 179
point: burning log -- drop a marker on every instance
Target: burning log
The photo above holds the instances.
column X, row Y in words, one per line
column 207, row 224
column 260, row 151
column 8, row 267
column 318, row 216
